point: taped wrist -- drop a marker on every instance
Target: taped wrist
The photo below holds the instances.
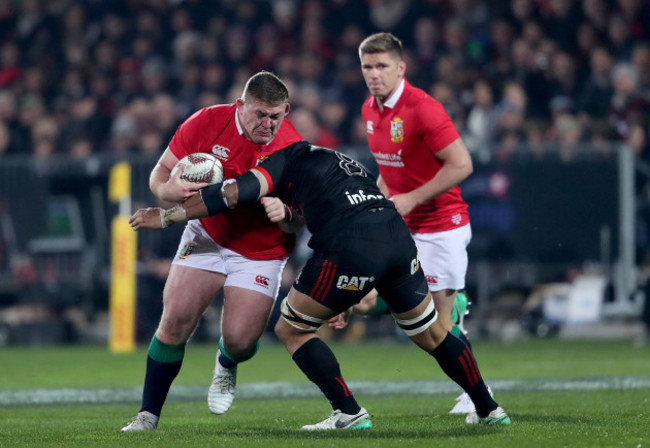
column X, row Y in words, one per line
column 172, row 216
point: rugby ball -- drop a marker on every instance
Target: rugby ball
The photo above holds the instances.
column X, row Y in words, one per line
column 200, row 167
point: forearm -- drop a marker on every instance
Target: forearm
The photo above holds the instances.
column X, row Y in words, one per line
column 447, row 178
column 158, row 178
column 215, row 199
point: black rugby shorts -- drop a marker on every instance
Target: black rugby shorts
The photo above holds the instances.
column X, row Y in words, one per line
column 375, row 250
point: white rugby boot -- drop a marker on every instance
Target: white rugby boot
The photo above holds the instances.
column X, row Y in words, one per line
column 339, row 420
column 144, row 421
column 222, row 390
column 464, row 404
column 496, row 417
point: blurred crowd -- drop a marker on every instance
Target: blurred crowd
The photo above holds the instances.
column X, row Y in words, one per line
column 89, row 76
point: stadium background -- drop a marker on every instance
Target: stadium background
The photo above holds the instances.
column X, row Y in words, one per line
column 552, row 98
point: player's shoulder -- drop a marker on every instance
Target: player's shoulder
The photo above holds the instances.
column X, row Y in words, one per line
column 215, row 112
column 209, row 118
column 418, row 100
column 418, row 97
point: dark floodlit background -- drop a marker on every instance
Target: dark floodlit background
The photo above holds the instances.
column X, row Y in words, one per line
column 551, row 97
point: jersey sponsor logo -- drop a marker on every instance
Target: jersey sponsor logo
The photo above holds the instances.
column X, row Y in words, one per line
column 354, row 283
column 221, row 152
column 187, row 250
column 456, row 219
column 358, row 198
column 397, row 130
column 370, row 127
column 262, row 281
column 415, row 265
column 431, row 279
column 383, row 158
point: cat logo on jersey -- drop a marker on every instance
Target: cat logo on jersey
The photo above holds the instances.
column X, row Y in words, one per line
column 353, row 283
column 396, row 130
column 415, row 265
column 187, row 250
column 261, row 159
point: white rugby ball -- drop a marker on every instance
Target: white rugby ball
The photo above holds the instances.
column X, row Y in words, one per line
column 200, row 167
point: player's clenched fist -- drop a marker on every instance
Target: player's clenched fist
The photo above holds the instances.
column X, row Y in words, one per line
column 147, row 218
column 274, row 208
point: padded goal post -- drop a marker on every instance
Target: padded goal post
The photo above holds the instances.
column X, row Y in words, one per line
column 123, row 283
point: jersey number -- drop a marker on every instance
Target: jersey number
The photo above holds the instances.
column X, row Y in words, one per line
column 350, row 166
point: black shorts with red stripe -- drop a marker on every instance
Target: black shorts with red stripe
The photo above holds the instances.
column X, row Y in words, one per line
column 372, row 250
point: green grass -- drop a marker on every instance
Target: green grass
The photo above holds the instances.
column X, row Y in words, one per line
column 570, row 418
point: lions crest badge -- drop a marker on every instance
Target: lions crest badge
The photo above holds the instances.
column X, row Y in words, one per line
column 397, row 130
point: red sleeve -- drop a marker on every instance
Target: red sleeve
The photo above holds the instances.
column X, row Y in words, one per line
column 438, row 131
column 188, row 135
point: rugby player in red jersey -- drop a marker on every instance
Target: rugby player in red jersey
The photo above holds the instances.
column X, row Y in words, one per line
column 239, row 252
column 421, row 160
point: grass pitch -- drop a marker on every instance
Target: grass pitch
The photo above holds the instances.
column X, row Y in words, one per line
column 558, row 393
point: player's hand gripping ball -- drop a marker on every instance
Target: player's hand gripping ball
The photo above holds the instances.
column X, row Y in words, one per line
column 199, row 168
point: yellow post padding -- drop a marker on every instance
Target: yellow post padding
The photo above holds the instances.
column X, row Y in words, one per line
column 119, row 182
column 123, row 286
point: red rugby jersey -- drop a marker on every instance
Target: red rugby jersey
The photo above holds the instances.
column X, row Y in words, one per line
column 403, row 138
column 246, row 229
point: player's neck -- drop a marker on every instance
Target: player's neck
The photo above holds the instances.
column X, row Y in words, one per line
column 380, row 100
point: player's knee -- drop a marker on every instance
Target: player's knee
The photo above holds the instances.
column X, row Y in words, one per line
column 240, row 346
column 175, row 330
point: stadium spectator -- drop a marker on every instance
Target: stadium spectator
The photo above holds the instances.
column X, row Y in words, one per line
column 117, row 51
column 240, row 253
column 594, row 96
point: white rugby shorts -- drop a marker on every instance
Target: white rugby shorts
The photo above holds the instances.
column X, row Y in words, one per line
column 198, row 250
column 443, row 257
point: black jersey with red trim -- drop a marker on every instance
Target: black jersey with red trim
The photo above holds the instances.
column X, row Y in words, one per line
column 330, row 187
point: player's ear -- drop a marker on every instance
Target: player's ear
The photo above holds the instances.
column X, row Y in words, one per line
column 286, row 109
column 239, row 102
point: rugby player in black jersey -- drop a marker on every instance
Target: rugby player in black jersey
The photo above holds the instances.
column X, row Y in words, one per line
column 360, row 242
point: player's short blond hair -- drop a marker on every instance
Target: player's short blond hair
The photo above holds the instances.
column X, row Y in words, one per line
column 381, row 43
column 266, row 87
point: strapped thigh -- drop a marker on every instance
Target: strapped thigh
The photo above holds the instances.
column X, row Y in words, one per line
column 299, row 320
column 417, row 325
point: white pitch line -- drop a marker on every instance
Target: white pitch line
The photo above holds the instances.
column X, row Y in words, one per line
column 307, row 390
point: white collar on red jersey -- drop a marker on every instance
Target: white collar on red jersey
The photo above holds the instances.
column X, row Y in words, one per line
column 395, row 96
column 239, row 128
